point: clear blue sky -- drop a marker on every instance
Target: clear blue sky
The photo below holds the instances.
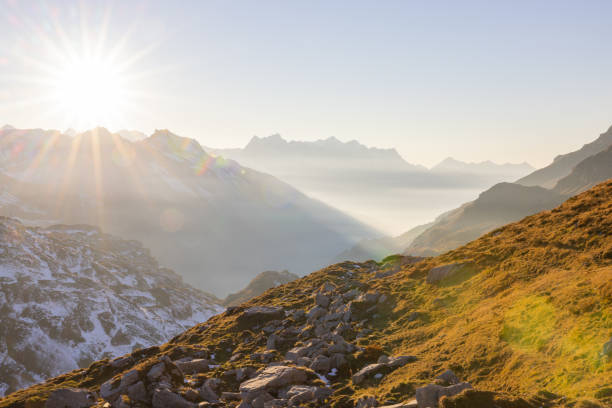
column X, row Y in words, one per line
column 477, row 80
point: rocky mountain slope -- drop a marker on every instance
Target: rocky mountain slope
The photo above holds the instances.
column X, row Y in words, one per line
column 166, row 188
column 520, row 318
column 507, row 202
column 563, row 164
column 70, row 295
column 259, row 284
column 372, row 184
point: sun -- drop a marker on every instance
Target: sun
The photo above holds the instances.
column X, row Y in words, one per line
column 89, row 91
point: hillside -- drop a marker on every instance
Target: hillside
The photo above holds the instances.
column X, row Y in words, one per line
column 501, row 204
column 591, row 171
column 523, row 314
column 563, row 164
column 507, row 202
column 166, row 188
column 70, row 295
column 259, row 284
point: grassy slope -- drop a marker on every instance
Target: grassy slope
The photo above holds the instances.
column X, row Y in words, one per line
column 530, row 312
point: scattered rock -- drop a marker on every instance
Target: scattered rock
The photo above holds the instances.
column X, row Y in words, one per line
column 71, row 398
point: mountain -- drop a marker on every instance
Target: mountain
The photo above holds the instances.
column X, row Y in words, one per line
column 276, row 152
column 519, row 318
column 563, row 164
column 506, row 170
column 70, row 295
column 132, row 135
column 501, row 204
column 374, row 185
column 589, row 172
column 165, row 189
column 259, row 284
column 507, row 202
column 379, row 248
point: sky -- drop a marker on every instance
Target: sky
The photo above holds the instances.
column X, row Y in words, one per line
column 477, row 80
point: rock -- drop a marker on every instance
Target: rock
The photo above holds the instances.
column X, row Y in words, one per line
column 120, row 363
column 321, row 300
column 383, row 359
column 260, row 400
column 164, row 398
column 400, row 361
column 257, row 315
column 351, row 294
column 366, row 402
column 71, row 398
column 321, row 364
column 197, row 365
column 276, row 403
column 315, row 313
column 367, row 371
column 338, row 360
column 429, row 395
column 156, row 371
column 301, row 393
column 138, row 392
column 444, row 271
column 448, row 377
column 207, row 393
column 607, row 348
column 327, row 287
column 230, row 396
column 271, row 343
column 272, row 378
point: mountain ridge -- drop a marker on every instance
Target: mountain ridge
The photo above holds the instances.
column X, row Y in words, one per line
column 167, row 187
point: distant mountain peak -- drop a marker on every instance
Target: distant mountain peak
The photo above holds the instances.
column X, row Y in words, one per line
column 450, row 164
column 7, row 127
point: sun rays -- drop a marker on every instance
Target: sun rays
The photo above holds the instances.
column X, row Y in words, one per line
column 81, row 73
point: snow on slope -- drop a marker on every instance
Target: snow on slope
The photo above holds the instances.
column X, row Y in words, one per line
column 70, row 295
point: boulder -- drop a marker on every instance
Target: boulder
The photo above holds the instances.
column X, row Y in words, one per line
column 194, row 366
column 321, row 299
column 429, row 395
column 321, row 364
column 367, row 371
column 448, row 377
column 316, row 312
column 164, row 398
column 271, row 378
column 444, row 271
column 301, row 393
column 138, row 392
column 257, row 315
column 71, row 398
